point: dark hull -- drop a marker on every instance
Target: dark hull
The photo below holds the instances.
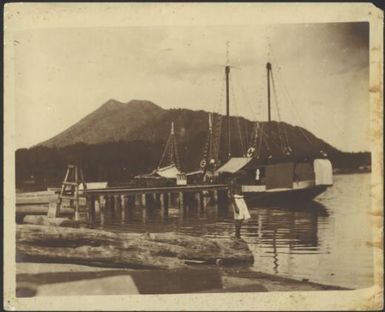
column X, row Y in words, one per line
column 284, row 197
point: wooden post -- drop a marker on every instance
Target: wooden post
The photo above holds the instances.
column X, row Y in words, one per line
column 91, row 211
column 102, row 204
column 144, row 208
column 130, row 205
column 169, row 199
column 181, row 204
column 163, row 205
column 116, row 205
column 136, row 199
column 143, row 197
column 123, row 205
column 76, row 195
column 110, row 207
column 201, row 203
column 198, row 197
column 144, row 214
column 106, row 208
column 215, row 197
column 157, row 200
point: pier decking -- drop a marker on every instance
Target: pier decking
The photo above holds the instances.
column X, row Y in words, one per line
column 115, row 203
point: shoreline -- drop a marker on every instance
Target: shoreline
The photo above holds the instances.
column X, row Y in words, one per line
column 59, row 279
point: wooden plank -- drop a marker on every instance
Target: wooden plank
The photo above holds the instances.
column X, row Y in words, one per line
column 153, row 190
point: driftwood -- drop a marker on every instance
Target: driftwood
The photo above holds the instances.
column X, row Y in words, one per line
column 162, row 250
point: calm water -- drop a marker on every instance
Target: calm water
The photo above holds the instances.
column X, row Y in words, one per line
column 325, row 241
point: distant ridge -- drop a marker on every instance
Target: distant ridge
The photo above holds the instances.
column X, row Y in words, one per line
column 111, row 122
column 119, row 140
column 141, row 120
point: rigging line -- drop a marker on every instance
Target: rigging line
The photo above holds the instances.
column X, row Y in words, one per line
column 242, row 122
column 248, row 105
column 273, row 141
column 164, row 152
column 262, row 138
column 237, row 118
column 217, row 136
column 297, row 114
column 287, row 93
column 220, row 104
column 267, row 145
column 306, row 136
column 252, row 138
column 279, row 130
column 286, row 139
column 177, row 160
column 258, row 140
column 256, row 135
column 248, row 138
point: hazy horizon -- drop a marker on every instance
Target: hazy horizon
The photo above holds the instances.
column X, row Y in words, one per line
column 321, row 73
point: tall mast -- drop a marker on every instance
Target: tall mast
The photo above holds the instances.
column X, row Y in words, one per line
column 227, row 71
column 210, row 137
column 268, row 68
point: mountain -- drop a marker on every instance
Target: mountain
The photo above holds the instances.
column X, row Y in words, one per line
column 140, row 120
column 113, row 121
column 119, row 140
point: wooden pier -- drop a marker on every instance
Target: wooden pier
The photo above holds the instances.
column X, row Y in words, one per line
column 116, row 203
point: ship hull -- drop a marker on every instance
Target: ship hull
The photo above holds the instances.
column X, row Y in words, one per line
column 286, row 197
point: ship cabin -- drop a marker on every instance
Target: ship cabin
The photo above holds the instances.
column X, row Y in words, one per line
column 255, row 176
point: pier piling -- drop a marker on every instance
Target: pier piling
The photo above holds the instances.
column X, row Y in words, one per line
column 116, row 205
column 163, row 209
column 117, row 202
column 123, row 205
column 102, row 205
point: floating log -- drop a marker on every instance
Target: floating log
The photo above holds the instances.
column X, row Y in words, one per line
column 40, row 210
column 161, row 250
column 35, row 200
column 44, row 220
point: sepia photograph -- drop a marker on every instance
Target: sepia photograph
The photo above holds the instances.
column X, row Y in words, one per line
column 215, row 151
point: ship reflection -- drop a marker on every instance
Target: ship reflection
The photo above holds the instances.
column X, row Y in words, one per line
column 276, row 233
column 295, row 225
column 280, row 232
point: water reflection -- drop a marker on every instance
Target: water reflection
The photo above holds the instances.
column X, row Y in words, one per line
column 312, row 241
column 271, row 230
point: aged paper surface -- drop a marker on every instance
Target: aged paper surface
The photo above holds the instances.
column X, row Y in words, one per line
column 22, row 17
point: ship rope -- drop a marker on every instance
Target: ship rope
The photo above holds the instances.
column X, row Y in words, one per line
column 170, row 153
column 294, row 109
column 212, row 145
column 237, row 117
column 249, row 139
column 282, row 131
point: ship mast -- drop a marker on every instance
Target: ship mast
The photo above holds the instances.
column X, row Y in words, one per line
column 227, row 72
column 268, row 68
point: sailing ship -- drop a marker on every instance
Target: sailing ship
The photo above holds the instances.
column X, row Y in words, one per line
column 169, row 170
column 270, row 179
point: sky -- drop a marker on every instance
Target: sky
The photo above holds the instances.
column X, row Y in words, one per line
column 321, row 74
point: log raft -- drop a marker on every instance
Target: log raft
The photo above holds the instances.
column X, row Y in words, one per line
column 131, row 250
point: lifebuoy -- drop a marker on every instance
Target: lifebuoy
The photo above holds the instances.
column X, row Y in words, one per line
column 250, row 151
